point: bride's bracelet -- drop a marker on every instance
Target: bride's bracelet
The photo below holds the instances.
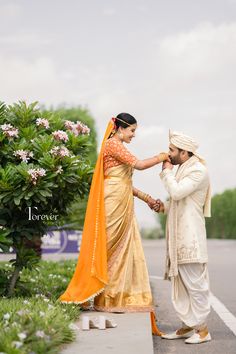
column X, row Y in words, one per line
column 143, row 196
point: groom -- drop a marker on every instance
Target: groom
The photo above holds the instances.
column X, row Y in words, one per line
column 189, row 203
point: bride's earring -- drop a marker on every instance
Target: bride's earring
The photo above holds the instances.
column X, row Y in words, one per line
column 113, row 133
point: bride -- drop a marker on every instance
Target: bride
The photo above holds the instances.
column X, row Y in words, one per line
column 111, row 268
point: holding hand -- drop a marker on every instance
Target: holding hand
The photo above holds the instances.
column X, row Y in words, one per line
column 151, row 202
column 159, row 206
column 156, row 205
column 167, row 164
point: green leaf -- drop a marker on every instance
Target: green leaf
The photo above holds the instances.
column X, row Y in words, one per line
column 17, row 200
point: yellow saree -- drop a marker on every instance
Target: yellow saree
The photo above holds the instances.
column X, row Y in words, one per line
column 111, row 268
column 128, row 289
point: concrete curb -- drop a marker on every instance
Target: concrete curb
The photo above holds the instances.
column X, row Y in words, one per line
column 132, row 335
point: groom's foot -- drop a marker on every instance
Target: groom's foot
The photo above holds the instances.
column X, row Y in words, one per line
column 200, row 336
column 180, row 333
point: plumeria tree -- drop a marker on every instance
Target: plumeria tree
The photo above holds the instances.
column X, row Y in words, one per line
column 43, row 168
column 75, row 217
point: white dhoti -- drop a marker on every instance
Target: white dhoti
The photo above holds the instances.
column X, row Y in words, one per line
column 191, row 295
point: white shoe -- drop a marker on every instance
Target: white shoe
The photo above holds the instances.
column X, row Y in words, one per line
column 110, row 323
column 174, row 335
column 102, row 322
column 88, row 323
column 196, row 339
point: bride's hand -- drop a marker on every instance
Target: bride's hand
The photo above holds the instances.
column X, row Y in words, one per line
column 163, row 156
column 159, row 206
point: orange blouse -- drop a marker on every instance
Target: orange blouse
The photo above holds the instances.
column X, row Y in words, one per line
column 115, row 154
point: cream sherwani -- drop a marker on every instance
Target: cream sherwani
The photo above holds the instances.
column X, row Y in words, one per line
column 186, row 240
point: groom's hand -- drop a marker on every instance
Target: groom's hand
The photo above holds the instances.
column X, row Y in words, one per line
column 151, row 203
column 167, row 164
column 159, row 206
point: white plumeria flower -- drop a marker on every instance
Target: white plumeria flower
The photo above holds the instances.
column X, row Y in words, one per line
column 60, row 151
column 5, row 127
column 82, row 128
column 9, row 130
column 69, row 124
column 60, row 135
column 24, row 155
column 41, row 172
column 17, row 344
column 43, row 122
column 22, row 335
column 64, row 152
column 40, row 334
column 77, row 128
column 35, row 173
column 41, row 313
column 26, row 302
column 46, row 300
column 6, row 316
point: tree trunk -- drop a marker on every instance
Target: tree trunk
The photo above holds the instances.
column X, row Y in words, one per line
column 14, row 278
column 34, row 244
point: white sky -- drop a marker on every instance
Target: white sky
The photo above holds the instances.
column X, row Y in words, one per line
column 170, row 63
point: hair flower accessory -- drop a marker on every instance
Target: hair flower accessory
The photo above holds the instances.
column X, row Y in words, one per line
column 114, row 122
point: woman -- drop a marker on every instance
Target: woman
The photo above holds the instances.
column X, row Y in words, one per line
column 111, row 267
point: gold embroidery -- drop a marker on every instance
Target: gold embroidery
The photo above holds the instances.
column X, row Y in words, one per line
column 187, row 253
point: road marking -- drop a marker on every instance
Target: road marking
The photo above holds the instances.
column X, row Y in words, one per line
column 156, row 277
column 227, row 317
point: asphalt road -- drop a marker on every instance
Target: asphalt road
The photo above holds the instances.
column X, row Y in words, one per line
column 222, row 266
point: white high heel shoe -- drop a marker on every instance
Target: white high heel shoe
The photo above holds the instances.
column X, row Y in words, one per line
column 102, row 322
column 88, row 323
column 110, row 323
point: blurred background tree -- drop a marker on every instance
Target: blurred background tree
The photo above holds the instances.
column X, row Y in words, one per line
column 222, row 224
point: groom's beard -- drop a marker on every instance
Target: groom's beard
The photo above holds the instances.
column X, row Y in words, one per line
column 175, row 160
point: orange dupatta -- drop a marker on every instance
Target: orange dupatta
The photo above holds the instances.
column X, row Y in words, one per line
column 90, row 276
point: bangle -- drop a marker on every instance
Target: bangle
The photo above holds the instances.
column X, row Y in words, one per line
column 143, row 196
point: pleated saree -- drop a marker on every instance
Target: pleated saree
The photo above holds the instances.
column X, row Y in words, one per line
column 111, row 268
column 128, row 289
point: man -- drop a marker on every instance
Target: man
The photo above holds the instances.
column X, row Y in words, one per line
column 189, row 191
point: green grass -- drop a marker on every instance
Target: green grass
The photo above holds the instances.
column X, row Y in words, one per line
column 37, row 323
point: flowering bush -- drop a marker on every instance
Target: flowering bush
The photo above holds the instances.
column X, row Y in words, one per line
column 43, row 167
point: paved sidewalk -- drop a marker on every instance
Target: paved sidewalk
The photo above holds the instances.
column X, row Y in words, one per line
column 132, row 336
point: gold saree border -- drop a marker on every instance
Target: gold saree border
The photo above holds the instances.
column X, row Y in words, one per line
column 127, row 308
